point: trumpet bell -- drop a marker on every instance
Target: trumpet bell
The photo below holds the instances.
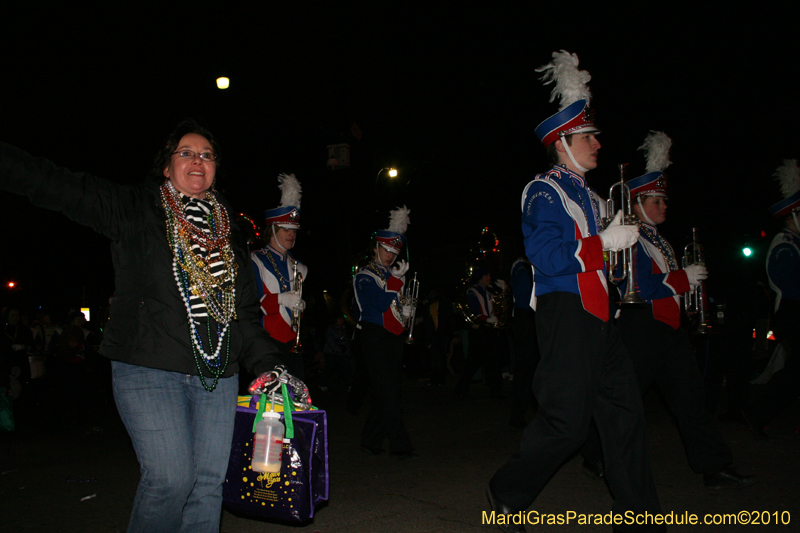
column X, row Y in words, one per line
column 632, row 298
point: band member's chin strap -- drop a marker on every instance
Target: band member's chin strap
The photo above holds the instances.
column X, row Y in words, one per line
column 277, row 243
column 644, row 215
column 571, row 157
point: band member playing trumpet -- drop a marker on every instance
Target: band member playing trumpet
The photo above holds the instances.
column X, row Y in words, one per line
column 659, row 347
column 584, row 371
column 378, row 288
column 279, row 276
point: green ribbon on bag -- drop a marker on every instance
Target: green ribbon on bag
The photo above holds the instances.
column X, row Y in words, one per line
column 287, row 411
column 262, row 406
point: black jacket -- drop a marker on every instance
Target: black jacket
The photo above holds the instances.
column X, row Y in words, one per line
column 148, row 325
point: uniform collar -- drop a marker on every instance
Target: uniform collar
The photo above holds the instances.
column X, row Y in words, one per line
column 269, row 248
column 576, row 177
column 652, row 228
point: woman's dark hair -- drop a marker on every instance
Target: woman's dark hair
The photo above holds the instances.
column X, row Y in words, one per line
column 187, row 126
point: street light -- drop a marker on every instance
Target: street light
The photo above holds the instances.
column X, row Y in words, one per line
column 392, row 174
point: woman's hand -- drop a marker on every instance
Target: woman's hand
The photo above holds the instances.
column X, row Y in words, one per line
column 271, row 381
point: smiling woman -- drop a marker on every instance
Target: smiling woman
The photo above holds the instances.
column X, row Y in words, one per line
column 192, row 166
column 184, row 317
column 189, row 159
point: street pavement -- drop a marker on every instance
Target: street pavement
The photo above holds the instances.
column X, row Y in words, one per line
column 64, row 479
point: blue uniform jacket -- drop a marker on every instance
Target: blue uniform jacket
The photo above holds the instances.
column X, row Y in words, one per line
column 277, row 319
column 783, row 266
column 479, row 301
column 656, row 282
column 375, row 297
column 560, row 222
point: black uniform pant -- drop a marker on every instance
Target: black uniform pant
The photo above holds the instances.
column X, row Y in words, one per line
column 664, row 356
column 526, row 358
column 383, row 357
column 360, row 380
column 482, row 353
column 584, row 373
column 438, row 348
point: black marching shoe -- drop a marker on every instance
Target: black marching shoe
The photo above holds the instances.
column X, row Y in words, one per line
column 727, row 478
column 500, row 509
column 594, row 470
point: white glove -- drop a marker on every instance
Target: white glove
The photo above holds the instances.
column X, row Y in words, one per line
column 400, row 268
column 500, row 284
column 491, row 320
column 407, row 310
column 617, row 237
column 291, row 300
column 696, row 274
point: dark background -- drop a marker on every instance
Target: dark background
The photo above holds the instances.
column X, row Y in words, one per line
column 447, row 94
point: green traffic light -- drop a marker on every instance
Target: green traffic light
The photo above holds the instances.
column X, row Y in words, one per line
column 747, row 251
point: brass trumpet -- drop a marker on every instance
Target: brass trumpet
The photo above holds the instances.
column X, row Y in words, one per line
column 695, row 302
column 628, row 254
column 297, row 288
column 410, row 298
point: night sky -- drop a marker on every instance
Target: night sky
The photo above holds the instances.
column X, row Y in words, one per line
column 446, row 94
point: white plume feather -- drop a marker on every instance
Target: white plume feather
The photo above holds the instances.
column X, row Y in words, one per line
column 291, row 192
column 788, row 174
column 398, row 220
column 570, row 83
column 656, row 151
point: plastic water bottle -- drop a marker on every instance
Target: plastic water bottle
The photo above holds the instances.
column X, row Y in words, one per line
column 268, row 443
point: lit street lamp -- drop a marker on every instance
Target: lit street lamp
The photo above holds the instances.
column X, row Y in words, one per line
column 392, row 174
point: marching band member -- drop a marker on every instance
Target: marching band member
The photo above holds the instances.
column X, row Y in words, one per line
column 783, row 270
column 275, row 267
column 584, row 372
column 657, row 344
column 482, row 345
column 378, row 286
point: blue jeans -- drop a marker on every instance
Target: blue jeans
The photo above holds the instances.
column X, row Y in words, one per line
column 182, row 436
